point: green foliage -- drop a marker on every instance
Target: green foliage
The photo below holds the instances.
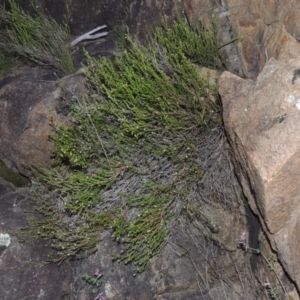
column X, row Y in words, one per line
column 200, row 45
column 38, row 39
column 273, row 293
column 94, row 281
column 132, row 161
column 120, row 33
column 6, row 63
column 143, row 99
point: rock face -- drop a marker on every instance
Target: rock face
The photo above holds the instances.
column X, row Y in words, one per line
column 21, row 277
column 176, row 274
column 256, row 23
column 28, row 101
column 262, row 119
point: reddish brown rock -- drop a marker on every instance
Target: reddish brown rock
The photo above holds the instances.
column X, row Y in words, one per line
column 197, row 9
column 254, row 23
column 27, row 103
column 262, row 119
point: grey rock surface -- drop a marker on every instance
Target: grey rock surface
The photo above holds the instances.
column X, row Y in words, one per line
column 22, row 275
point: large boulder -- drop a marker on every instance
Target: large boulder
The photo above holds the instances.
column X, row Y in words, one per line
column 262, row 119
column 28, row 101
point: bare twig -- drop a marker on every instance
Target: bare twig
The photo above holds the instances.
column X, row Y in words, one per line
column 90, row 35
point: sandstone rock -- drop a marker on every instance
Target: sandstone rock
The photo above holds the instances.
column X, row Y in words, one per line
column 262, row 121
column 27, row 103
column 255, row 22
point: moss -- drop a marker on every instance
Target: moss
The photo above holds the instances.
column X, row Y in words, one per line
column 133, row 161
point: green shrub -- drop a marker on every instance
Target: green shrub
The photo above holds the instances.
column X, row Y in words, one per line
column 200, row 45
column 6, row 63
column 133, row 161
column 38, row 39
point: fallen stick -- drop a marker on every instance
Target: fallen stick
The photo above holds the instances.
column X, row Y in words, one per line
column 90, row 35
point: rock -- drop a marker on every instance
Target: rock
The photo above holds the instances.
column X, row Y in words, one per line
column 145, row 15
column 254, row 23
column 262, row 121
column 22, row 274
column 196, row 9
column 8, row 176
column 164, row 276
column 176, row 274
column 140, row 17
column 27, row 103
